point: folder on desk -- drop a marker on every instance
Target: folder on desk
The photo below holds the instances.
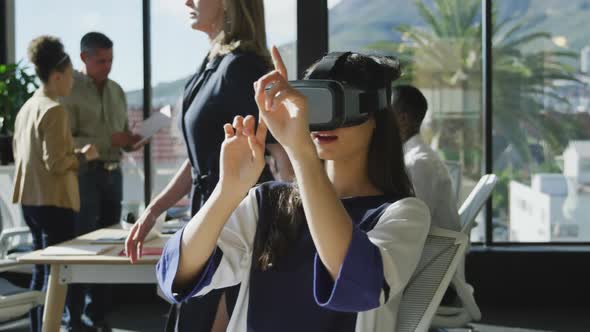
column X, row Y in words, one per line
column 75, row 250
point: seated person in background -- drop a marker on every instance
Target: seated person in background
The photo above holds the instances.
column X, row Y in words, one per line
column 431, row 179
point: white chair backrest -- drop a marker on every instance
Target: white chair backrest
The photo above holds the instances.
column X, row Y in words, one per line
column 454, row 168
column 440, row 258
column 11, row 215
column 475, row 201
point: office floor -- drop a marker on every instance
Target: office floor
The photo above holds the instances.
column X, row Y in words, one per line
column 150, row 317
column 147, row 313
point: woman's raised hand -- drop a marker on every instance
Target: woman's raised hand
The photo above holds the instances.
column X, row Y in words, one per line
column 282, row 108
column 242, row 154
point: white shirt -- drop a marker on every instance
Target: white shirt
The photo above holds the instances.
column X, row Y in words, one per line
column 432, row 183
column 399, row 235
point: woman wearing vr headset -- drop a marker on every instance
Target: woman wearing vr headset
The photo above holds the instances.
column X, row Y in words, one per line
column 332, row 252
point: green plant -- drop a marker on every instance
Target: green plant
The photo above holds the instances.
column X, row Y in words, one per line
column 16, row 86
column 446, row 53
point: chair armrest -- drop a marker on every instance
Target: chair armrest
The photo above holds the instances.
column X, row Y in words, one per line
column 8, row 265
column 8, row 234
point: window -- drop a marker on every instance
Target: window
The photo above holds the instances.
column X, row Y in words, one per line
column 281, row 30
column 119, row 20
column 541, row 121
column 440, row 50
column 177, row 52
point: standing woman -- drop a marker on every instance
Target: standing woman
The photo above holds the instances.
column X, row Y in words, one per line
column 46, row 181
column 220, row 90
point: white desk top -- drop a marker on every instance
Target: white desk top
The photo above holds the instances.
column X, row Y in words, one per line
column 111, row 256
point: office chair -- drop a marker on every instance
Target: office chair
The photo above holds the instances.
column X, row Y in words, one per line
column 466, row 310
column 443, row 251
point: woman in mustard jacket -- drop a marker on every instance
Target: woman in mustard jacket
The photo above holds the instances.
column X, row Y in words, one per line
column 46, row 182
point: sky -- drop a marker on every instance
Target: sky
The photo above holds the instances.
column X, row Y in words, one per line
column 332, row 3
column 176, row 48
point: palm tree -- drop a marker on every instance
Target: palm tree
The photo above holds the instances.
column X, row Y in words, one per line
column 446, row 54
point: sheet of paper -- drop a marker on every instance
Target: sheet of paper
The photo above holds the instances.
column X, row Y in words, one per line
column 155, row 123
column 110, row 240
column 121, row 239
column 75, row 250
column 147, row 251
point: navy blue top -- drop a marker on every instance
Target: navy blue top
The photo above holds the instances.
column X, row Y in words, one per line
column 220, row 90
column 298, row 293
column 288, row 287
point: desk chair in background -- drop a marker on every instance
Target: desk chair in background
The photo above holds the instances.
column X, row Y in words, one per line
column 466, row 310
column 443, row 251
column 455, row 171
column 475, row 201
column 15, row 239
column 16, row 302
column 15, row 236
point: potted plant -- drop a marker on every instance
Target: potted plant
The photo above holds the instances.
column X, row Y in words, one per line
column 16, row 86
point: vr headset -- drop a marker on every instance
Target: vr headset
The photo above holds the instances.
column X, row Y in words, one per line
column 332, row 104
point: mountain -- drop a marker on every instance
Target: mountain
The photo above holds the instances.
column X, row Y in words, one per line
column 354, row 24
column 162, row 94
column 570, row 19
column 357, row 23
column 170, row 92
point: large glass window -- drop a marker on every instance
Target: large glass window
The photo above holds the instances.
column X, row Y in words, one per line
column 119, row 20
column 281, row 30
column 177, row 52
column 440, row 49
column 541, row 114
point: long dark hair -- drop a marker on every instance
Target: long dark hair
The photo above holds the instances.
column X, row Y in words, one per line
column 386, row 166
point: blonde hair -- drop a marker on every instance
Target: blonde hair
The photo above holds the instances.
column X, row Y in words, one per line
column 243, row 28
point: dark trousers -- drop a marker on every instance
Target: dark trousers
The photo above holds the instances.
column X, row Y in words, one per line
column 197, row 314
column 101, row 193
column 49, row 226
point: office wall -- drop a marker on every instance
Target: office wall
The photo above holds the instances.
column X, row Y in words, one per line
column 508, row 277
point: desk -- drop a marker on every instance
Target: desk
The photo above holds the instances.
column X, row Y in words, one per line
column 106, row 268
